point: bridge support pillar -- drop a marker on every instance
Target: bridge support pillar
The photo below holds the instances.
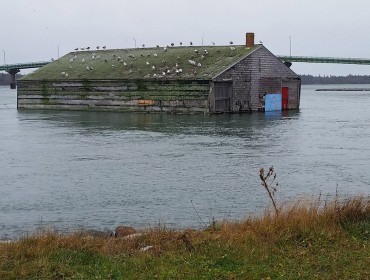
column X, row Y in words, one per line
column 13, row 82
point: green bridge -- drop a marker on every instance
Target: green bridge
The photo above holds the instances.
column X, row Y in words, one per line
column 311, row 59
column 13, row 69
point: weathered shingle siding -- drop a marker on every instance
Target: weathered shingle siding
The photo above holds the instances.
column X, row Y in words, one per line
column 259, row 73
column 115, row 95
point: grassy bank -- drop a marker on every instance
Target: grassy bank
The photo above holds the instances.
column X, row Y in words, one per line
column 316, row 241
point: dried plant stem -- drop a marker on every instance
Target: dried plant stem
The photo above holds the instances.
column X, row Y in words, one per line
column 269, row 188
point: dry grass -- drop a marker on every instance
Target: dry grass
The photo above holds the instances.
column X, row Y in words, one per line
column 330, row 239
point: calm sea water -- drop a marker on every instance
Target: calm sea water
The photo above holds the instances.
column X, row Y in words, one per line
column 70, row 170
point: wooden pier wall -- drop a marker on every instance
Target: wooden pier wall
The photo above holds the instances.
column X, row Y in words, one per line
column 187, row 97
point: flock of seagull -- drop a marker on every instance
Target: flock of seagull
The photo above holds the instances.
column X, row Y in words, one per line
column 117, row 59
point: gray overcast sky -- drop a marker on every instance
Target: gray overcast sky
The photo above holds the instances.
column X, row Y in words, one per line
column 32, row 30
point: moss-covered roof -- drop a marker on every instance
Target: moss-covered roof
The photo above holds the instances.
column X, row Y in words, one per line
column 193, row 62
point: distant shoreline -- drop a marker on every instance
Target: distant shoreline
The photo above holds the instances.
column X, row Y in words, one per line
column 343, row 89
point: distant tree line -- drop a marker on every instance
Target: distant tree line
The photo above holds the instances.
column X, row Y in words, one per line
column 5, row 78
column 322, row 80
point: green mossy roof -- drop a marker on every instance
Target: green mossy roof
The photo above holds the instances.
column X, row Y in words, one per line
column 138, row 63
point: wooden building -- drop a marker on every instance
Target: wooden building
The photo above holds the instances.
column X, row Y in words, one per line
column 191, row 79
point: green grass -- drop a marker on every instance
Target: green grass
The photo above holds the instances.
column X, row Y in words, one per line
column 218, row 58
column 302, row 242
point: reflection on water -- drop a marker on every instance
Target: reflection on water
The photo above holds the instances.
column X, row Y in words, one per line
column 94, row 169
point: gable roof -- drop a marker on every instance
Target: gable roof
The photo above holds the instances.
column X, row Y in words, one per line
column 144, row 63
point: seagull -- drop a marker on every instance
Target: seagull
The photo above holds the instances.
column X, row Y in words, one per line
column 104, row 47
column 172, row 44
column 157, row 46
column 87, row 48
column 231, row 42
column 191, row 43
column 192, row 62
column 199, row 65
column 76, row 49
column 180, row 43
column 147, row 63
column 153, row 67
column 196, row 51
column 155, row 54
column 83, row 60
column 143, row 45
column 213, row 43
column 97, row 47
